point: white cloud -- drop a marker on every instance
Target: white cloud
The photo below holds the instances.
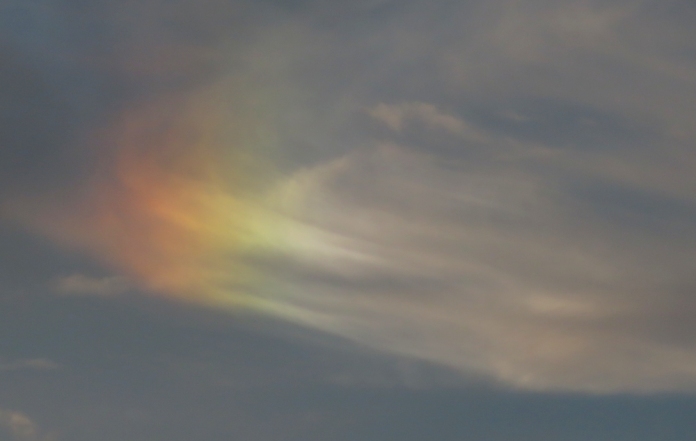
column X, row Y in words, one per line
column 488, row 269
column 397, row 116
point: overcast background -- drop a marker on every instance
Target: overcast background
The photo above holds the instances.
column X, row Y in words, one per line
column 365, row 220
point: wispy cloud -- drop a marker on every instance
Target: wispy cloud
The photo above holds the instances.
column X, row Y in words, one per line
column 79, row 284
column 397, row 116
column 490, row 270
column 32, row 364
column 528, row 214
column 21, row 427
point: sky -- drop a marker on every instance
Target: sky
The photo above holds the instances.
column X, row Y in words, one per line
column 328, row 220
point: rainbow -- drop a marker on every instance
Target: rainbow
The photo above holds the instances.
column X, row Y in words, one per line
column 181, row 202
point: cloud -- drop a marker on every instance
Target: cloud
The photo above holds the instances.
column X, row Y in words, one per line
column 21, row 427
column 33, row 364
column 396, row 116
column 78, row 284
column 490, row 270
column 528, row 216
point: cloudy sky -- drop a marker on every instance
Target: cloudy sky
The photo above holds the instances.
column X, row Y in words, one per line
column 347, row 220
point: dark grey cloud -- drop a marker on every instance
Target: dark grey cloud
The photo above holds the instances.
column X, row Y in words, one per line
column 175, row 374
column 38, row 131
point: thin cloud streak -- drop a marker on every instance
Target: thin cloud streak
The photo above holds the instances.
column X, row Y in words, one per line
column 488, row 271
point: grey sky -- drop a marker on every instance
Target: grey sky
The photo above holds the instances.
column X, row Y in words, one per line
column 326, row 220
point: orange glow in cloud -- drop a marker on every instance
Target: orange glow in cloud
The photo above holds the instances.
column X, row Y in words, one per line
column 167, row 209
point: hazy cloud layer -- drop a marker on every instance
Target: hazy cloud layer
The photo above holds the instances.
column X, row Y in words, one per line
column 492, row 269
column 505, row 188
